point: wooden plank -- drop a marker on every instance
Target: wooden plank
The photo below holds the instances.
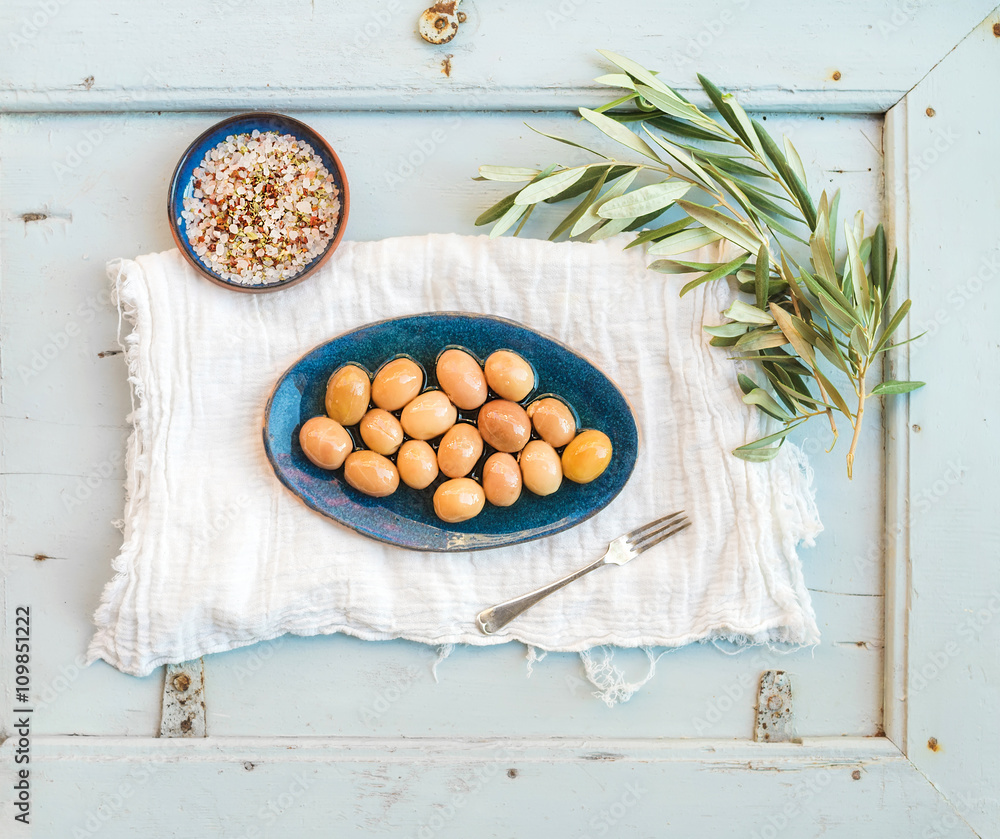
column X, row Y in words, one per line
column 847, row 55
column 952, row 183
column 345, row 686
column 492, row 788
column 53, row 277
column 897, row 439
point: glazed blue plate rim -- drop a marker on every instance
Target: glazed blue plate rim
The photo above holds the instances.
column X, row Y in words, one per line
column 181, row 182
column 374, row 517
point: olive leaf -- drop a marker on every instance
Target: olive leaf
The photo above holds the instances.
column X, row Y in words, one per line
column 763, row 400
column 550, row 186
column 731, row 180
column 891, row 387
column 660, row 232
column 748, row 314
column 507, row 173
column 727, row 330
column 684, row 241
column 643, row 200
column 589, row 216
column 726, row 227
column 616, row 131
column 508, row 220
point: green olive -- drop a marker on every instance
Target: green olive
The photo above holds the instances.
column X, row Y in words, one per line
column 325, row 442
column 381, row 431
column 371, row 473
column 459, row 499
column 553, row 421
column 459, row 450
column 504, row 425
column 347, row 395
column 417, row 464
column 428, row 416
column 397, row 383
column 540, row 468
column 587, row 456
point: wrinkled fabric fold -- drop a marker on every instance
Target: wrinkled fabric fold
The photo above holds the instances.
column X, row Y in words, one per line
column 217, row 554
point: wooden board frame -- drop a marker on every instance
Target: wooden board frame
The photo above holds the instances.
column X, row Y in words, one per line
column 889, row 785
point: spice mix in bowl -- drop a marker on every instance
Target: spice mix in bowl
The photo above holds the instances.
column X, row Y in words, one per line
column 258, row 202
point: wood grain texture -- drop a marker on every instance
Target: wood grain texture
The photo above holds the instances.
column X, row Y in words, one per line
column 952, row 669
column 484, row 787
column 310, row 735
column 844, row 55
column 62, row 497
column 897, row 438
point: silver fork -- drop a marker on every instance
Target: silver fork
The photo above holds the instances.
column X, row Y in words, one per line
column 623, row 549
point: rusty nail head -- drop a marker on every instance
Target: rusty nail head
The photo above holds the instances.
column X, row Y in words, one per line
column 836, row 75
column 856, row 774
column 930, row 112
column 932, row 744
column 511, row 773
column 439, row 23
column 774, row 702
column 182, row 681
column 996, row 30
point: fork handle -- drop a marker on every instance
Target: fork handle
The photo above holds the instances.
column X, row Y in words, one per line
column 497, row 617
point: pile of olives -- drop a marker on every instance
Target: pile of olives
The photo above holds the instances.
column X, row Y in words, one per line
column 412, row 434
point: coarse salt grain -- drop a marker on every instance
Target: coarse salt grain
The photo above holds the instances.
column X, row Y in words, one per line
column 255, row 188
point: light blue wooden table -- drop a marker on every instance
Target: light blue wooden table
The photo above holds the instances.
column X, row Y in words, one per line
column 897, row 709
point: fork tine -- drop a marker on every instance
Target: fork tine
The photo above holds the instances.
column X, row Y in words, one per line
column 649, row 534
column 648, row 543
column 640, row 531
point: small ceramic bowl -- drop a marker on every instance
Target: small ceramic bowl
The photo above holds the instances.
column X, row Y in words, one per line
column 182, row 186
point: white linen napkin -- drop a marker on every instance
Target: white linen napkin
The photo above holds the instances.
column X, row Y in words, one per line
column 218, row 554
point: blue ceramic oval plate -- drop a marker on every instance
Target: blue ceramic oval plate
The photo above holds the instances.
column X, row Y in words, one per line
column 406, row 518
